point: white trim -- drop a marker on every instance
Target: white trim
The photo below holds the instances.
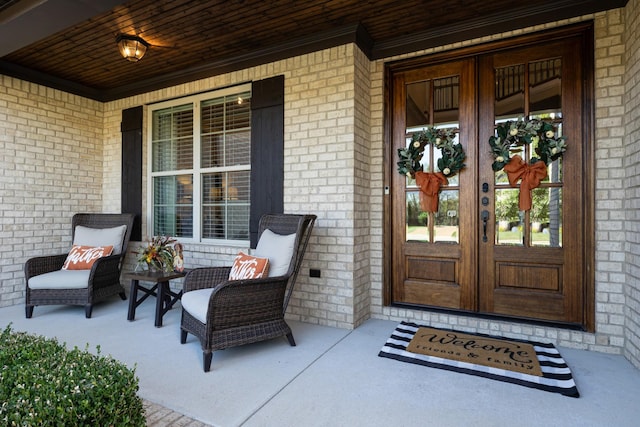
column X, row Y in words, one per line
column 195, row 101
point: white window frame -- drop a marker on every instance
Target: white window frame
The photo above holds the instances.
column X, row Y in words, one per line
column 197, row 172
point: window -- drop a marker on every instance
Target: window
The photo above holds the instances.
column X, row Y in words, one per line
column 200, row 163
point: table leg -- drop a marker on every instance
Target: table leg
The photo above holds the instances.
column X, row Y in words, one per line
column 162, row 288
column 133, row 296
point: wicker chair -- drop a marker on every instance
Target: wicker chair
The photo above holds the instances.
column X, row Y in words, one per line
column 103, row 278
column 245, row 311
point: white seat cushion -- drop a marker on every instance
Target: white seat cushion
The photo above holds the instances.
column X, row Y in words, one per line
column 114, row 236
column 278, row 248
column 196, row 303
column 61, row 279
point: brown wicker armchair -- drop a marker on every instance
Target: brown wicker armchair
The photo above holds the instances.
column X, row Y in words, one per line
column 223, row 313
column 48, row 284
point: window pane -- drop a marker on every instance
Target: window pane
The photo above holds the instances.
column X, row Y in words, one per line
column 172, row 138
column 238, row 150
column 226, row 135
column 173, row 208
column 238, row 111
column 212, row 154
column 225, row 205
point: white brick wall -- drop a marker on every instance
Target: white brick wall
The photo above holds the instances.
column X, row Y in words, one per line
column 60, row 154
column 51, row 164
column 321, row 148
column 631, row 103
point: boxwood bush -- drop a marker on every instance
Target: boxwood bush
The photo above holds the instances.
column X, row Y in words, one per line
column 42, row 383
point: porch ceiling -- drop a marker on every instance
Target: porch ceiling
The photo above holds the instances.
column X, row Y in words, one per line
column 70, row 44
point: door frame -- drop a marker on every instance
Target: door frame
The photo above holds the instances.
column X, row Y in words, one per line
column 583, row 30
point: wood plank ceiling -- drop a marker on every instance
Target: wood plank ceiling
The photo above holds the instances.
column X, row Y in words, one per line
column 199, row 38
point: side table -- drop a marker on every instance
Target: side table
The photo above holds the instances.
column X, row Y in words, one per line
column 165, row 297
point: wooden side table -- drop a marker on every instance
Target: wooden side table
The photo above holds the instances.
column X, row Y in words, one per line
column 165, row 297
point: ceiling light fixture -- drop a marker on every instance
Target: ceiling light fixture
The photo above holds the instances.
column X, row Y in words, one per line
column 132, row 48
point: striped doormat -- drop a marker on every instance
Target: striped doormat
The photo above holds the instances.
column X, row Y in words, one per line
column 456, row 351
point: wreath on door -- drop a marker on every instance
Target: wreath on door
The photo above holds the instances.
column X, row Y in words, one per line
column 548, row 147
column 449, row 164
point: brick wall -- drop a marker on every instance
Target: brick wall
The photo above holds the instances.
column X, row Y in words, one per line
column 631, row 102
column 51, row 164
column 609, row 156
column 60, row 154
column 365, row 196
column 326, row 141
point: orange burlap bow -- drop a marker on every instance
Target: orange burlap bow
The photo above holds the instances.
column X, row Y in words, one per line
column 530, row 174
column 429, row 184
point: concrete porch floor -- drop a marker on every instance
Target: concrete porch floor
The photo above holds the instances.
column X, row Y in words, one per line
column 333, row 377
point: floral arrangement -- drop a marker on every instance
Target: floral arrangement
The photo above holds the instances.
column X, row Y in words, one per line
column 543, row 134
column 451, row 161
column 158, row 253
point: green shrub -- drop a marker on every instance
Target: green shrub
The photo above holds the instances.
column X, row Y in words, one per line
column 42, row 383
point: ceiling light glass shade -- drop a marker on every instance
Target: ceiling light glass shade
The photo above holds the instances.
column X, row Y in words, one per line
column 132, row 48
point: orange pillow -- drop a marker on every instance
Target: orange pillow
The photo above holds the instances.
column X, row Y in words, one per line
column 248, row 267
column 83, row 257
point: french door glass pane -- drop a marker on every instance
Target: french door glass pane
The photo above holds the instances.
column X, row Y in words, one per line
column 432, row 103
column 546, row 217
column 509, row 92
column 508, row 217
column 447, row 221
column 417, row 229
column 539, row 83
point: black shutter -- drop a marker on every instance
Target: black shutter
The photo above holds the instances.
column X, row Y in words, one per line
column 267, row 151
column 131, row 190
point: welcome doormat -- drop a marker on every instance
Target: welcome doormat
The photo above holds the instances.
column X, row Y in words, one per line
column 482, row 355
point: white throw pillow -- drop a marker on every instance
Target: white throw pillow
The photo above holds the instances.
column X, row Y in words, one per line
column 85, row 236
column 278, row 248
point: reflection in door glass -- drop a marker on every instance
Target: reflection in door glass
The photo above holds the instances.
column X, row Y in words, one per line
column 445, row 100
column 418, row 104
column 417, row 221
column 446, row 228
column 510, row 84
column 546, row 217
column 508, row 218
column 545, row 94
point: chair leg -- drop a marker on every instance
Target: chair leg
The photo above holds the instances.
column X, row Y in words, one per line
column 292, row 342
column 123, row 296
column 206, row 358
column 28, row 311
column 87, row 310
column 183, row 336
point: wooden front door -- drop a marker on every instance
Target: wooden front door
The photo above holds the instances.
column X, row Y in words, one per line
column 479, row 252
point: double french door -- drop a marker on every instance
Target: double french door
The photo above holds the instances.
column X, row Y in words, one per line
column 479, row 252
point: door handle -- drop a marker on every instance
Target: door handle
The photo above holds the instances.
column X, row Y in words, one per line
column 485, row 219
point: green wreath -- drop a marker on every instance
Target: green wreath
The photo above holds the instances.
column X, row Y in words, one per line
column 451, row 161
column 541, row 133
